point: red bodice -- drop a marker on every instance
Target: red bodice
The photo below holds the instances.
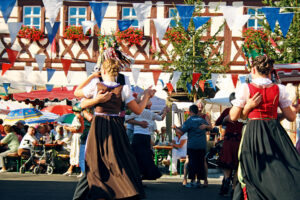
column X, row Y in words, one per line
column 269, row 104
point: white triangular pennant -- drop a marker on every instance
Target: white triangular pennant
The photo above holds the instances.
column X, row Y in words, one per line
column 142, row 11
column 242, row 20
column 27, row 71
column 40, row 59
column 86, row 25
column 161, row 26
column 214, row 78
column 28, row 88
column 14, row 28
column 69, row 76
column 52, row 8
column 135, row 74
column 89, row 66
column 233, row 19
column 176, row 77
column 69, row 87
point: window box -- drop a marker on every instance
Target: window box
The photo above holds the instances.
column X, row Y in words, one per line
column 31, row 33
column 76, row 33
column 130, row 36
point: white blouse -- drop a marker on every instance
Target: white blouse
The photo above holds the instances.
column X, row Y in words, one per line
column 242, row 94
column 90, row 90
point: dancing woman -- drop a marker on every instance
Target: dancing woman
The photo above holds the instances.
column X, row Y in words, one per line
column 269, row 165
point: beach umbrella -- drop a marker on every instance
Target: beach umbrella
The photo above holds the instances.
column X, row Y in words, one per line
column 58, row 109
column 22, row 114
column 45, row 118
column 66, row 119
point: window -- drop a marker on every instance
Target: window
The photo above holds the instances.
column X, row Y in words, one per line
column 32, row 16
column 173, row 14
column 129, row 13
column 256, row 18
column 76, row 15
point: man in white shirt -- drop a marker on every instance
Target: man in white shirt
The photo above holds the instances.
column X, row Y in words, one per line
column 28, row 142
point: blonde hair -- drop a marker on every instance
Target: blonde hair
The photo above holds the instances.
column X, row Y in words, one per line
column 111, row 66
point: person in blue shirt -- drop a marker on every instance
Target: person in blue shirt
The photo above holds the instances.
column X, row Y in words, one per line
column 196, row 127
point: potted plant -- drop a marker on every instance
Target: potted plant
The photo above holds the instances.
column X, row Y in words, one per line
column 130, row 36
column 76, row 33
column 30, row 33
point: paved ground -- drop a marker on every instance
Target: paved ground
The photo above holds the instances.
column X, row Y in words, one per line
column 14, row 186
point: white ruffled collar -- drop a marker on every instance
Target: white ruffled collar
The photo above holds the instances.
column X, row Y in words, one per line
column 261, row 81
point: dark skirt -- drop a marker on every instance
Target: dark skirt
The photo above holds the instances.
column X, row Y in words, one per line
column 269, row 165
column 144, row 155
column 111, row 167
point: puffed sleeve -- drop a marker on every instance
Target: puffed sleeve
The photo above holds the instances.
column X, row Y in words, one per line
column 91, row 88
column 284, row 100
column 126, row 92
column 241, row 96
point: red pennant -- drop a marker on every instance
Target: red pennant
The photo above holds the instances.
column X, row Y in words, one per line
column 5, row 67
column 201, row 84
column 234, row 78
column 170, row 87
column 156, row 74
column 12, row 55
column 53, row 46
column 196, row 76
column 66, row 65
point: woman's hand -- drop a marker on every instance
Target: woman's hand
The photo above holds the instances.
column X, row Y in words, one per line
column 254, row 101
column 150, row 92
column 103, row 97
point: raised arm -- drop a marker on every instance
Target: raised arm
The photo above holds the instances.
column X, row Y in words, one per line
column 138, row 108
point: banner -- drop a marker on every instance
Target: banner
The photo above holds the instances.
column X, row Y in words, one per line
column 52, row 8
column 162, row 82
column 6, row 7
column 202, row 84
column 199, row 21
column 234, row 20
column 28, row 88
column 234, row 78
column 40, row 59
column 271, row 16
column 6, row 86
column 214, row 78
column 175, row 78
column 210, row 82
column 189, row 87
column 27, row 71
column 185, row 13
column 50, row 73
column 14, row 28
column 196, row 77
column 5, row 67
column 49, row 87
column 135, row 74
column 156, row 74
column 161, row 26
column 170, row 88
column 12, row 55
column 89, row 67
column 87, row 25
column 285, row 20
column 243, row 79
column 124, row 24
column 51, row 30
column 142, row 11
column 53, row 49
column 99, row 10
column 66, row 63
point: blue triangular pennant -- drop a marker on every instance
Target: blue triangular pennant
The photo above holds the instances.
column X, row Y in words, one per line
column 285, row 20
column 51, row 30
column 162, row 82
column 14, row 28
column 243, row 79
column 271, row 16
column 189, row 87
column 6, row 7
column 49, row 87
column 211, row 84
column 199, row 21
column 6, row 86
column 99, row 10
column 185, row 13
column 50, row 73
column 124, row 24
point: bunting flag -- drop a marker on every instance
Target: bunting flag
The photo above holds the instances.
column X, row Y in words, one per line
column 185, row 13
column 87, row 25
column 12, row 55
column 99, row 10
column 53, row 49
column 234, row 20
column 28, row 88
column 69, row 77
column 199, row 21
column 234, row 78
column 161, row 26
column 89, row 67
column 196, row 77
column 5, row 67
column 243, row 79
column 6, row 86
column 214, row 78
column 271, row 16
column 66, row 63
column 52, row 8
column 170, row 88
column 69, row 87
column 135, row 74
column 162, row 82
column 285, row 20
column 202, row 84
column 40, row 59
column 6, row 7
column 142, row 11
column 153, row 44
column 50, row 73
column 189, row 87
column 14, row 28
column 27, row 71
column 176, row 77
column 49, row 87
column 51, row 30
column 124, row 24
column 156, row 74
column 210, row 82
